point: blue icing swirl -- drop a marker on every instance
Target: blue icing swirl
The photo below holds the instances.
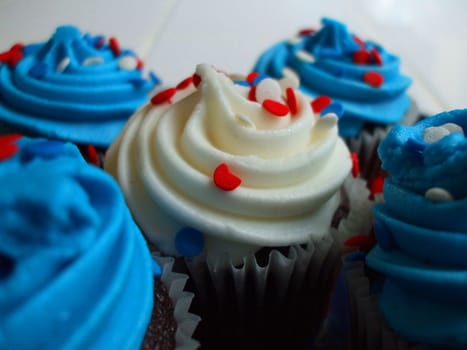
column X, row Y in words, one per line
column 75, row 271
column 334, row 73
column 68, row 88
column 424, row 297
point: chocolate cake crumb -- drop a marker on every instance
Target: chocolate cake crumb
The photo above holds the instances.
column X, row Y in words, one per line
column 160, row 334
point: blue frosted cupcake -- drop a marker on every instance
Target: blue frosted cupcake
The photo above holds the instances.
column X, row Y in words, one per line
column 73, row 87
column 361, row 81
column 412, row 291
column 75, row 271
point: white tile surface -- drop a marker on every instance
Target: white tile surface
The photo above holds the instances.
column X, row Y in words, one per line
column 175, row 35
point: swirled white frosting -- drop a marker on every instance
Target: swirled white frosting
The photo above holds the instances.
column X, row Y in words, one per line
column 291, row 168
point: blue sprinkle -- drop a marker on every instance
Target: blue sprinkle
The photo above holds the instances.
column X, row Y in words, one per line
column 355, row 256
column 335, row 108
column 6, row 266
column 241, row 82
column 416, row 147
column 42, row 149
column 156, row 269
column 138, row 82
column 384, row 236
column 39, row 70
column 260, row 77
column 189, row 241
column 154, row 78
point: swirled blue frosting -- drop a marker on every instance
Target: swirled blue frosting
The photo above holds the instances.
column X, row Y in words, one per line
column 75, row 272
column 73, row 87
column 334, row 73
column 422, row 238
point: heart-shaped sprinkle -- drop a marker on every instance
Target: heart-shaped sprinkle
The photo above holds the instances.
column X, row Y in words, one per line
column 438, row 195
column 276, row 108
column 114, row 46
column 291, row 100
column 319, row 103
column 374, row 79
column 163, row 96
column 224, row 179
column 355, row 164
column 361, row 57
column 184, row 83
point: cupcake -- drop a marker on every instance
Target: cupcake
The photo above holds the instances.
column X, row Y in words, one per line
column 75, row 271
column 242, row 179
column 412, row 290
column 73, row 87
column 359, row 80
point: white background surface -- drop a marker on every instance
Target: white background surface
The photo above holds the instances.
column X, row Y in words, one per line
column 173, row 36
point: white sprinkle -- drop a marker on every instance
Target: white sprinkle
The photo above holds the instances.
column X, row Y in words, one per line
column 92, row 61
column 438, row 195
column 452, row 127
column 268, row 89
column 244, row 121
column 127, row 63
column 305, row 56
column 63, row 64
column 290, row 79
column 294, row 40
column 434, row 134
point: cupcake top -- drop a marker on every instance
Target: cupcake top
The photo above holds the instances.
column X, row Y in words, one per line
column 215, row 165
column 332, row 62
column 74, row 87
column 422, row 231
column 75, row 272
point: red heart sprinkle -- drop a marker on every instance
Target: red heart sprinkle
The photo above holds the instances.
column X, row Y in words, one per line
column 374, row 79
column 196, row 80
column 4, row 139
column 276, row 108
column 184, row 83
column 163, row 96
column 92, row 155
column 319, row 103
column 224, row 179
column 359, row 41
column 291, row 100
column 376, row 186
column 114, row 46
column 376, row 57
column 364, row 242
column 361, row 57
column 8, row 150
column 252, row 94
column 355, row 164
column 306, row 31
column 250, row 78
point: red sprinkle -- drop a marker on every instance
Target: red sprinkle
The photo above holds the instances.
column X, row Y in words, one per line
column 224, row 179
column 139, row 63
column 17, row 46
column 12, row 56
column 163, row 96
column 361, row 57
column 99, row 43
column 196, row 80
column 184, row 83
column 114, row 46
column 92, row 155
column 355, row 164
column 8, row 150
column 250, row 78
column 319, row 103
column 374, row 79
column 306, row 31
column 252, row 94
column 359, row 41
column 276, row 108
column 291, row 100
column 376, row 57
column 363, row 242
column 376, row 186
column 4, row 139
